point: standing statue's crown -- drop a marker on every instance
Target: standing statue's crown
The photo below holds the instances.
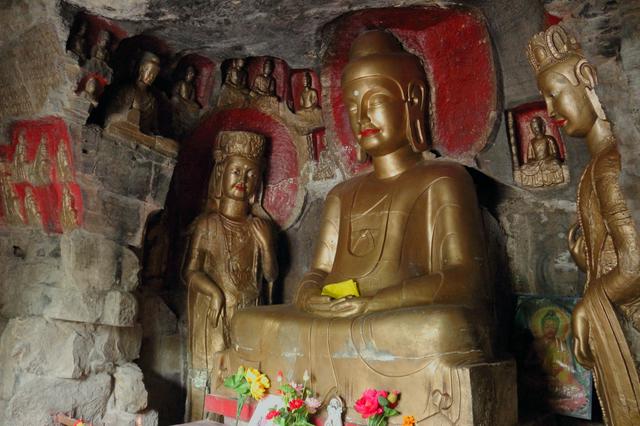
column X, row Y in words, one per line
column 551, row 47
column 244, row 144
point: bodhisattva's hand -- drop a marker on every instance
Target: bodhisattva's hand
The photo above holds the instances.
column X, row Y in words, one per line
column 580, row 326
column 202, row 283
column 577, row 246
column 262, row 233
column 327, row 307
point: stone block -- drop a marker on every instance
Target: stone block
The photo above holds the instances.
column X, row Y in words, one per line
column 129, row 270
column 120, row 418
column 47, row 347
column 89, row 261
column 114, row 346
column 37, row 397
column 114, row 307
column 129, row 393
column 116, row 216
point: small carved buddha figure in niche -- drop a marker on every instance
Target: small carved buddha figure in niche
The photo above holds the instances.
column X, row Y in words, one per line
column 410, row 233
column 184, row 89
column 68, row 213
column 20, row 169
column 264, row 84
column 542, row 167
column 100, row 55
column 185, row 108
column 230, row 251
column 41, row 166
column 78, row 42
column 32, row 212
column 604, row 242
column 136, row 103
column 237, row 76
column 90, row 91
column 309, row 95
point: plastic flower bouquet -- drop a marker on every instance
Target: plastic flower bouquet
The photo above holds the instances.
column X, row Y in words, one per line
column 377, row 406
column 247, row 382
column 299, row 404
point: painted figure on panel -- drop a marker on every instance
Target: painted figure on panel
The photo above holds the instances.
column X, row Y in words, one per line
column 63, row 168
column 20, row 172
column 32, row 211
column 41, row 166
column 410, row 233
column 605, row 241
column 68, row 213
column 230, row 251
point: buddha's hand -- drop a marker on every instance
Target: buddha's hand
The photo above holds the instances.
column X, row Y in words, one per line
column 261, row 230
column 327, row 307
column 577, row 246
column 580, row 325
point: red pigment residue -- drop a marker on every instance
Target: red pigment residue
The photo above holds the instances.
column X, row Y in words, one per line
column 455, row 48
column 195, row 163
column 51, row 131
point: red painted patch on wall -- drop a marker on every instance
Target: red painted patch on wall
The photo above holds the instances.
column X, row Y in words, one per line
column 53, row 133
column 455, row 47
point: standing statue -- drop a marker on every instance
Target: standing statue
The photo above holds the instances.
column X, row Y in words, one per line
column 410, row 233
column 264, row 84
column 230, row 251
column 100, row 54
column 32, row 212
column 63, row 166
column 68, row 213
column 20, row 171
column 609, row 247
column 136, row 103
column 41, row 166
column 542, row 167
column 10, row 200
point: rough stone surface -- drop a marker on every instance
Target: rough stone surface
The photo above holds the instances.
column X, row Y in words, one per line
column 36, row 398
column 119, row 418
column 156, row 317
column 114, row 307
column 129, row 393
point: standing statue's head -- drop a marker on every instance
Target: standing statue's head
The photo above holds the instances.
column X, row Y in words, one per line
column 239, row 165
column 148, row 69
column 566, row 80
column 385, row 92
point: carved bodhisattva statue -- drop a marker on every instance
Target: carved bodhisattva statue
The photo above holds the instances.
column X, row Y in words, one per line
column 136, row 104
column 542, row 167
column 605, row 241
column 230, row 251
column 410, row 234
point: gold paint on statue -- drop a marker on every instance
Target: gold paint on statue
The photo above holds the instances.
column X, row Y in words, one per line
column 68, row 214
column 542, row 167
column 99, row 59
column 41, row 166
column 31, row 208
column 309, row 95
column 234, row 91
column 608, row 248
column 63, row 168
column 20, row 171
column 411, row 234
column 264, row 84
column 230, row 250
column 10, row 200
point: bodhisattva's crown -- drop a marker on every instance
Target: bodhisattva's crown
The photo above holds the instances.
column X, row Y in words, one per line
column 244, row 144
column 551, row 47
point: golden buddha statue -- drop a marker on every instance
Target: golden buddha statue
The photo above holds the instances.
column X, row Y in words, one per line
column 237, row 76
column 608, row 248
column 63, row 168
column 10, row 200
column 264, row 84
column 185, row 108
column 136, row 103
column 230, row 251
column 410, row 233
column 184, row 89
column 100, row 54
column 542, row 167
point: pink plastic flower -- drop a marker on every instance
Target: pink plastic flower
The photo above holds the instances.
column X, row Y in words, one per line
column 368, row 404
column 272, row 414
column 312, row 404
column 297, row 386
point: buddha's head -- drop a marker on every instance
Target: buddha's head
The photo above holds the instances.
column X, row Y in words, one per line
column 385, row 93
column 267, row 67
column 239, row 160
column 238, row 63
column 148, row 69
column 566, row 80
column 307, row 79
column 537, row 126
column 550, row 324
column 104, row 37
column 189, row 74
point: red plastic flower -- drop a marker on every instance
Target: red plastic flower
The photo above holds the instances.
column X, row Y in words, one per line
column 294, row 404
column 368, row 404
column 272, row 414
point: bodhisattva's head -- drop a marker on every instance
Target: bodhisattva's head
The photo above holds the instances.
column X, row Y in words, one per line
column 566, row 80
column 148, row 69
column 240, row 158
column 385, row 92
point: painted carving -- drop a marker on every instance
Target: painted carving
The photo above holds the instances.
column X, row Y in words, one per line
column 537, row 150
column 264, row 84
column 98, row 62
column 37, row 179
column 231, row 249
column 605, row 241
column 186, row 110
column 234, row 90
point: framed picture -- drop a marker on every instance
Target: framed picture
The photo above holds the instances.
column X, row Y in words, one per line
column 543, row 343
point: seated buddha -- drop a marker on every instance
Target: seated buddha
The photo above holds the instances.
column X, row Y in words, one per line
column 542, row 167
column 410, row 233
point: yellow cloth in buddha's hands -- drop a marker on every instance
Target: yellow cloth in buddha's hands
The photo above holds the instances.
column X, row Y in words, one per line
column 341, row 289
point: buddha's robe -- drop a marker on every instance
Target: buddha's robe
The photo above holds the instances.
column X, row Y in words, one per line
column 414, row 243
